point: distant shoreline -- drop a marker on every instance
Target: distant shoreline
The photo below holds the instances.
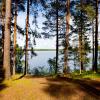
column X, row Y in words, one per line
column 45, row 49
column 40, row 49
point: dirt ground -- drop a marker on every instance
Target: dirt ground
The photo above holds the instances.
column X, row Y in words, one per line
column 44, row 88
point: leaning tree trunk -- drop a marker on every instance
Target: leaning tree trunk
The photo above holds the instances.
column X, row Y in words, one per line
column 96, row 39
column 56, row 70
column 66, row 37
column 27, row 29
column 6, row 59
column 15, row 33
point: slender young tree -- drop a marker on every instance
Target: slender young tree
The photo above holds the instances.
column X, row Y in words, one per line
column 80, row 39
column 82, row 22
column 54, row 15
column 18, row 6
column 90, row 10
column 29, row 4
column 56, row 70
column 93, row 53
column 3, row 24
column 66, row 36
column 27, row 29
column 15, row 33
column 6, row 59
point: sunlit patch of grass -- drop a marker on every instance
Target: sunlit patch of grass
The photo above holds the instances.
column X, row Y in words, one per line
column 85, row 75
column 92, row 76
column 11, row 81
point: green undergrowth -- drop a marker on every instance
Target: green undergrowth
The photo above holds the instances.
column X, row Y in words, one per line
column 85, row 75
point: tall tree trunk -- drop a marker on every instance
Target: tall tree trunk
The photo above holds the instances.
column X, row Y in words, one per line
column 27, row 29
column 15, row 33
column 56, row 70
column 6, row 59
column 93, row 53
column 66, row 36
column 3, row 26
column 80, row 52
column 2, row 43
column 96, row 39
column 81, row 40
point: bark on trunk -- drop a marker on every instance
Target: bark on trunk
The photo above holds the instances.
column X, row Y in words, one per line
column 96, row 40
column 81, row 40
column 6, row 60
column 15, row 34
column 3, row 27
column 93, row 53
column 27, row 29
column 80, row 52
column 56, row 70
column 66, row 37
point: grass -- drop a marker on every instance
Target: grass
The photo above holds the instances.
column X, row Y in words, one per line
column 92, row 76
column 86, row 75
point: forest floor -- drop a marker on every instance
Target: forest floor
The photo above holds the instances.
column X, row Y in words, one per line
column 47, row 88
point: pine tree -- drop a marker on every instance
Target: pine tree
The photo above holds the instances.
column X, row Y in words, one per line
column 27, row 30
column 15, row 33
column 18, row 6
column 82, row 24
column 96, row 40
column 54, row 16
column 6, row 59
column 66, row 36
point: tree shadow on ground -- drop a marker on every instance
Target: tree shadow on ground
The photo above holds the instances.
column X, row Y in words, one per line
column 20, row 77
column 2, row 78
column 67, row 88
column 2, row 87
column 29, row 76
column 2, row 74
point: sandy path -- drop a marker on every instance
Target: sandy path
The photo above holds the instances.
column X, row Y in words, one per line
column 49, row 89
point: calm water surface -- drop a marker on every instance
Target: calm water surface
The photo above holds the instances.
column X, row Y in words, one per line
column 41, row 60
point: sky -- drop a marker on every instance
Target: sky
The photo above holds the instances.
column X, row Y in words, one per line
column 41, row 43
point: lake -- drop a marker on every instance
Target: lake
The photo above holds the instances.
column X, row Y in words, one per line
column 41, row 60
